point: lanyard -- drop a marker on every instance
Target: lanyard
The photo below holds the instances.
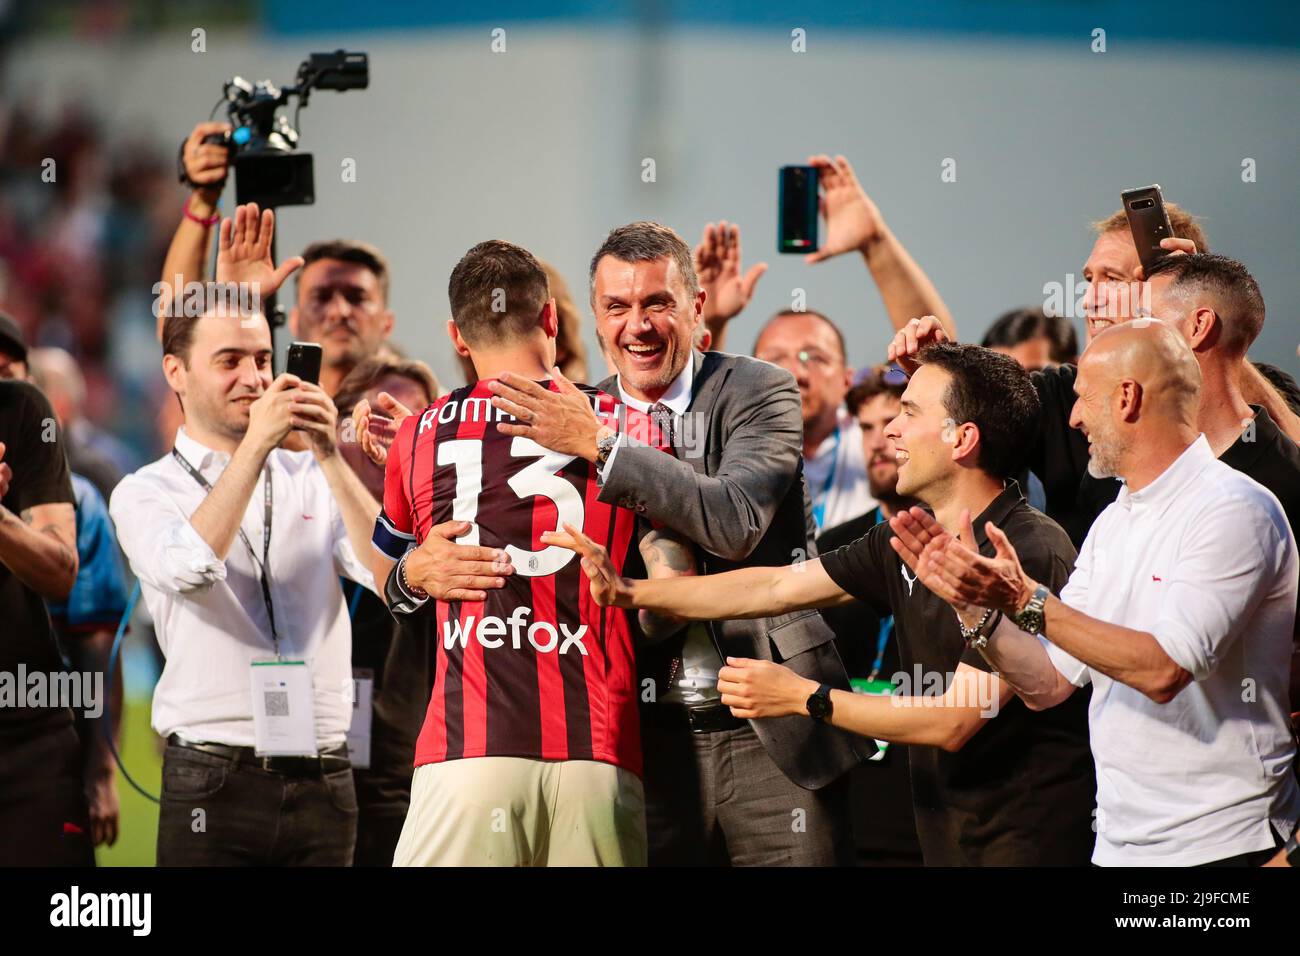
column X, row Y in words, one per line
column 819, row 509
column 266, row 539
column 886, row 625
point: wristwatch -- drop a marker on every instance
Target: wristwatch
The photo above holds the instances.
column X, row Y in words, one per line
column 819, row 703
column 606, row 439
column 1030, row 617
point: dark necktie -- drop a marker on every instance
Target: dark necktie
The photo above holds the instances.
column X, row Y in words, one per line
column 666, row 422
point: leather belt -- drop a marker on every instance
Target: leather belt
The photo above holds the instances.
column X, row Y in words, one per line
column 327, row 761
column 713, row 718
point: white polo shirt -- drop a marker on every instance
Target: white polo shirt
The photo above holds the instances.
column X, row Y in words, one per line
column 1204, row 560
column 209, row 614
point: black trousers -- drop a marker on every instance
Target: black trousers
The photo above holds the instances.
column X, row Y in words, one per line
column 43, row 815
column 217, row 813
column 718, row 799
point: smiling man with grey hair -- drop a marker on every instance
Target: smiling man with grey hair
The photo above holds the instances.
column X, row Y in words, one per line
column 718, row 788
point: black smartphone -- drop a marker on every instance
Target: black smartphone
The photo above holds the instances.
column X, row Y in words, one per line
column 304, row 361
column 797, row 206
column 1148, row 222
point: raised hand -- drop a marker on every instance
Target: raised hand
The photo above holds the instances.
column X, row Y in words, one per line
column 376, row 432
column 1175, row 247
column 718, row 266
column 244, row 251
column 852, row 219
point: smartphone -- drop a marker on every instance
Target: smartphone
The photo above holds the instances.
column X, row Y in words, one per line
column 1148, row 222
column 304, row 361
column 797, row 207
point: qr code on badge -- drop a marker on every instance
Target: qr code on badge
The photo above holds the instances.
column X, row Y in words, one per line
column 277, row 703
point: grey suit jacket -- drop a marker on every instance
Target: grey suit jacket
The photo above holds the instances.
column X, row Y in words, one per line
column 739, row 494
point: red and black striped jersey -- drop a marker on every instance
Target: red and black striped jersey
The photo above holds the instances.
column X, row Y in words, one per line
column 538, row 669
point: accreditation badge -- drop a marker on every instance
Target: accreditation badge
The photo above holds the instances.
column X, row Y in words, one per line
column 363, row 695
column 877, row 688
column 284, row 713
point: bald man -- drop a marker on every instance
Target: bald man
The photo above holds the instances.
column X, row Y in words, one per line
column 1179, row 612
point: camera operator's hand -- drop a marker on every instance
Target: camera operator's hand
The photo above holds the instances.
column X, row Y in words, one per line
column 205, row 163
column 913, row 337
column 315, row 413
column 718, row 266
column 270, row 418
column 852, row 219
column 244, row 251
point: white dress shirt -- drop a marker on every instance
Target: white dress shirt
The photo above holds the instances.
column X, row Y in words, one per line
column 677, row 399
column 837, row 475
column 1204, row 560
column 209, row 614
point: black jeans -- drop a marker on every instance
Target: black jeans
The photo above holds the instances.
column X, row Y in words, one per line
column 718, row 799
column 217, row 813
column 43, row 816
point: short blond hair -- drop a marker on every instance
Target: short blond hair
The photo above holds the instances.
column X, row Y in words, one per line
column 1184, row 224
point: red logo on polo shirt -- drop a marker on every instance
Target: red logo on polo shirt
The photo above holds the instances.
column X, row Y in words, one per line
column 1154, row 578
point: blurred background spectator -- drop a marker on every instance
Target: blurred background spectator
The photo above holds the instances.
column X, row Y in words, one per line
column 1033, row 338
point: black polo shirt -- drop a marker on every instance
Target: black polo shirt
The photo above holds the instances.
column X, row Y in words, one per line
column 40, row 476
column 1265, row 453
column 1021, row 791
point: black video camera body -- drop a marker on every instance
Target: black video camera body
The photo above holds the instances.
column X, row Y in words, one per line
column 269, row 170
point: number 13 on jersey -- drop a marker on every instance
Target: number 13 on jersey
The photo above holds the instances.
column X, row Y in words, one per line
column 536, row 480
